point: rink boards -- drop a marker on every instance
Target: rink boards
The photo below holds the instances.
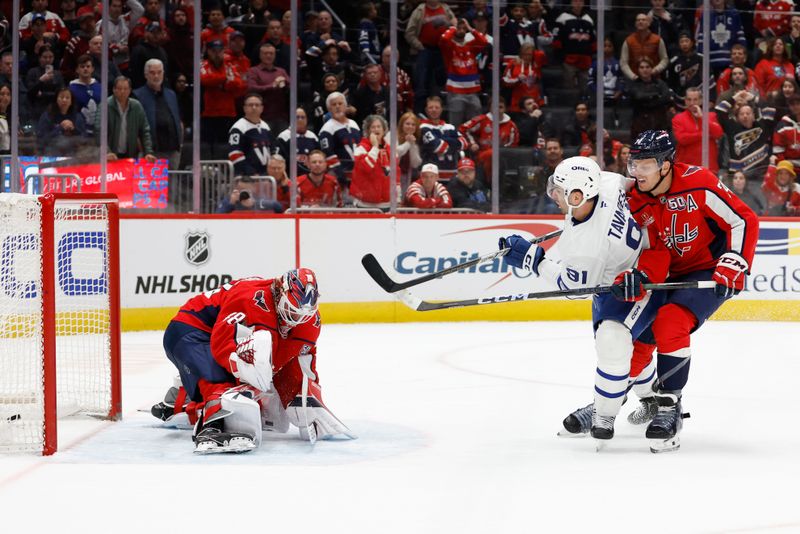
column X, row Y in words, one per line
column 166, row 260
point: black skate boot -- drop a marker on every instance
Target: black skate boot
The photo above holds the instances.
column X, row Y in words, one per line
column 213, row 439
column 645, row 412
column 165, row 409
column 578, row 422
column 602, row 426
column 663, row 430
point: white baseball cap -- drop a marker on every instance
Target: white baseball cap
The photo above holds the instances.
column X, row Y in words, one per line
column 430, row 167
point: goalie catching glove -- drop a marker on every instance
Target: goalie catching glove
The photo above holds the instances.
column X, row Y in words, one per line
column 522, row 253
column 628, row 286
column 730, row 274
column 251, row 363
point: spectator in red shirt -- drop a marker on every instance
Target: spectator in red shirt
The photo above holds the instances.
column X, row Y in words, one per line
column 318, row 188
column 152, row 13
column 523, row 76
column 235, row 52
column 774, row 67
column 786, row 139
column 463, row 79
column 78, row 45
column 408, row 148
column 478, row 132
column 55, row 27
column 216, row 30
column 772, row 17
column 222, row 84
column 427, row 192
column 687, row 126
column 780, row 190
column 738, row 59
column 370, row 180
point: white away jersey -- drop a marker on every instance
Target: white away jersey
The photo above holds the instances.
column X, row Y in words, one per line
column 593, row 252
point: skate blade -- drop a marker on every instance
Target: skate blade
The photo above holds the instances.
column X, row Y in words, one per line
column 235, row 445
column 665, row 445
column 600, row 444
column 564, row 433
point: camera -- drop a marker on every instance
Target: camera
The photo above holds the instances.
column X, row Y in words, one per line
column 244, row 195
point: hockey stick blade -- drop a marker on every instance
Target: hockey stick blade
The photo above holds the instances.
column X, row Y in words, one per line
column 417, row 304
column 378, row 274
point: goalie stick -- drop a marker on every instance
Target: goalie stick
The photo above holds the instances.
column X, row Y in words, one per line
column 377, row 273
column 417, row 304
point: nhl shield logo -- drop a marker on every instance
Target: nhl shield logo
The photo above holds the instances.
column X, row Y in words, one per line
column 197, row 251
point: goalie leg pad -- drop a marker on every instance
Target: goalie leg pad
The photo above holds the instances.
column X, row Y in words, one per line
column 243, row 413
column 614, row 348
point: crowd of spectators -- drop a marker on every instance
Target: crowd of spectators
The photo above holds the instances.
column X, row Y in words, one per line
column 652, row 78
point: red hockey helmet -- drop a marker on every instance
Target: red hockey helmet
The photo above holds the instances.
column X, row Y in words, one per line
column 296, row 296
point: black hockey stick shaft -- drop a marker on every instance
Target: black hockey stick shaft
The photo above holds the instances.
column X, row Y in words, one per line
column 377, row 273
column 415, row 303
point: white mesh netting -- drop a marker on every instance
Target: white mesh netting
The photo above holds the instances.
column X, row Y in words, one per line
column 83, row 329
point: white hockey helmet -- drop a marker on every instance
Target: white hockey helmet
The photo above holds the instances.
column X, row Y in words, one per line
column 575, row 174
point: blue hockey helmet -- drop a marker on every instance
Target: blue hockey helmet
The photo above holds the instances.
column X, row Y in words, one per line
column 656, row 144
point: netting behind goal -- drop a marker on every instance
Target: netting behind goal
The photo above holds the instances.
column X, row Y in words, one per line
column 58, row 315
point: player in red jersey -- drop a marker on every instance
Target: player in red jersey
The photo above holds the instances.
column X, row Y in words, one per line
column 246, row 355
column 708, row 233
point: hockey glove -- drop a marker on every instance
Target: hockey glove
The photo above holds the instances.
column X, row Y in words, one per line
column 628, row 286
column 522, row 254
column 729, row 275
column 251, row 363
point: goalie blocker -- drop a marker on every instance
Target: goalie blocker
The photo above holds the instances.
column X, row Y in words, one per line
column 238, row 350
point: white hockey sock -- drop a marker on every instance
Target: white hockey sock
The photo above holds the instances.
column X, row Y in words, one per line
column 614, row 348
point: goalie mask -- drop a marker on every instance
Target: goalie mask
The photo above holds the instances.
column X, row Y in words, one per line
column 296, row 296
column 574, row 174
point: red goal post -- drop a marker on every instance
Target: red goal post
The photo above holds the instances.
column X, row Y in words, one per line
column 59, row 315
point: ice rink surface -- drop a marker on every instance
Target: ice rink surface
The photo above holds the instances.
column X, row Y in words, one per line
column 457, row 431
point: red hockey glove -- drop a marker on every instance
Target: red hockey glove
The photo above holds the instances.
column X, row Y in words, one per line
column 730, row 274
column 628, row 286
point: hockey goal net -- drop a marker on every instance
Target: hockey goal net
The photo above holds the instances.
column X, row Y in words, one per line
column 59, row 315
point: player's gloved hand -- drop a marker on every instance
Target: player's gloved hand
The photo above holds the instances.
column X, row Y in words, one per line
column 523, row 254
column 628, row 286
column 252, row 361
column 729, row 275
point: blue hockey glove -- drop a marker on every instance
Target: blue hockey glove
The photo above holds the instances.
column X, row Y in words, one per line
column 523, row 254
column 628, row 286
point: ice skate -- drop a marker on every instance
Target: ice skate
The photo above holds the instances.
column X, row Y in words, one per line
column 645, row 412
column 663, row 430
column 212, row 440
column 578, row 423
column 602, row 430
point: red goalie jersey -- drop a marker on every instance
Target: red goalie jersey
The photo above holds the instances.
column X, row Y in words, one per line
column 698, row 220
column 249, row 302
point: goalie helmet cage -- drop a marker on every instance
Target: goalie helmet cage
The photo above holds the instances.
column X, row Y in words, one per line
column 59, row 315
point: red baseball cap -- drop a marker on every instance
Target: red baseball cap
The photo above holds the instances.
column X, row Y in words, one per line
column 466, row 163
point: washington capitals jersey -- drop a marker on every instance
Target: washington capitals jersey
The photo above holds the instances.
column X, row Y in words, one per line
column 339, row 140
column 248, row 302
column 250, row 147
column 698, row 220
column 441, row 144
column 306, row 142
column 594, row 251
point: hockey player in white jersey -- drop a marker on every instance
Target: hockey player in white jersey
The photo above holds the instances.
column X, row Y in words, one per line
column 600, row 241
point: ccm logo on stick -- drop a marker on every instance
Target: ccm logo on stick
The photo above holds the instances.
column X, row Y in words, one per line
column 502, row 298
column 17, row 250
